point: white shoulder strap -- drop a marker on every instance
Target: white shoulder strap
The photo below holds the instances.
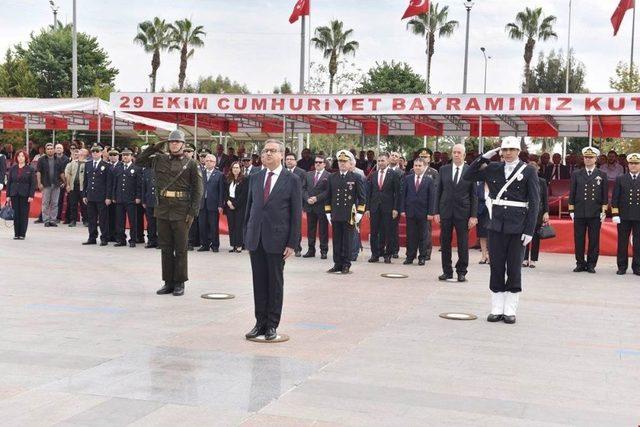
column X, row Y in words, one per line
column 508, row 183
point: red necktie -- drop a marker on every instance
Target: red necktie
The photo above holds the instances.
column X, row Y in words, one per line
column 380, row 179
column 315, row 179
column 417, row 182
column 267, row 186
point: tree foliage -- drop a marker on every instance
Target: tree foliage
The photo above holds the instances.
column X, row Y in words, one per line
column 549, row 75
column 16, row 79
column 212, row 84
column 284, row 88
column 154, row 37
column 334, row 42
column 626, row 81
column 393, row 77
column 185, row 38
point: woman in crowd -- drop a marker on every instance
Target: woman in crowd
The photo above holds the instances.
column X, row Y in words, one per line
column 235, row 202
column 543, row 218
column 21, row 186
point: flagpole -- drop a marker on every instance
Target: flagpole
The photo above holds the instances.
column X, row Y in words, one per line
column 428, row 31
column 566, row 83
column 633, row 36
column 302, row 53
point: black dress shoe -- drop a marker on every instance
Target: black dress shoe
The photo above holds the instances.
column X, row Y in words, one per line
column 270, row 334
column 255, row 332
column 345, row 270
column 372, row 259
column 85, row 223
column 445, row 276
column 166, row 289
column 132, row 244
column 334, row 269
column 323, row 255
column 420, row 262
column 215, row 250
column 47, row 224
column 203, row 249
column 591, row 270
column 72, row 224
column 150, row 245
column 622, row 272
column 407, row 261
column 104, row 243
column 53, row 224
column 309, row 254
column 178, row 289
column 38, row 221
column 120, row 244
column 637, row 273
column 189, row 248
column 509, row 319
column 462, row 277
column 494, row 317
column 387, row 260
column 427, row 258
column 395, row 256
column 298, row 254
column 579, row 269
column 16, row 238
column 354, row 259
column 89, row 242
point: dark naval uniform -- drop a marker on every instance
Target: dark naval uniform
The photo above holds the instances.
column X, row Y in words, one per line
column 179, row 189
column 149, row 201
column 344, row 197
column 97, row 189
column 588, row 200
column 126, row 191
column 625, row 204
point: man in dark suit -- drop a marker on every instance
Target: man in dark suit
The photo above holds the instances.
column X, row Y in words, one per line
column 149, row 202
column 291, row 165
column 456, row 208
column 222, row 159
column 556, row 170
column 126, row 193
column 95, row 194
column 383, row 205
column 211, row 206
column 394, row 165
column 625, row 208
column 313, row 188
column 417, row 206
column 271, row 233
column 515, row 200
column 248, row 168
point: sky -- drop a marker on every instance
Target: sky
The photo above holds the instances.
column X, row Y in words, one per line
column 252, row 42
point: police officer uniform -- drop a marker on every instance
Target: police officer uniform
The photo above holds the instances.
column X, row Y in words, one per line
column 588, row 202
column 344, row 206
column 126, row 192
column 179, row 189
column 513, row 219
column 149, row 200
column 625, row 208
column 114, row 159
column 97, row 185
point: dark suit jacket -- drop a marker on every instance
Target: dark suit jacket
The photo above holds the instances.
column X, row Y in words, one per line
column 275, row 222
column 388, row 197
column 240, row 200
column 43, row 168
column 97, row 182
column 25, row 185
column 564, row 172
column 149, row 188
column 455, row 201
column 3, row 168
column 318, row 190
column 213, row 194
column 418, row 203
column 300, row 173
column 126, row 184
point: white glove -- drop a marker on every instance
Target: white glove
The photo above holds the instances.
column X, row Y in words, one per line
column 1, row 187
column 329, row 218
column 603, row 215
column 358, row 217
column 616, row 219
column 489, row 154
column 526, row 239
column 571, row 215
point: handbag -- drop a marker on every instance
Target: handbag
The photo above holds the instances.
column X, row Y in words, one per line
column 546, row 232
column 7, row 212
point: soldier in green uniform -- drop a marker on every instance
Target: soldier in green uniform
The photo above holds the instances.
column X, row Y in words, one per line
column 179, row 190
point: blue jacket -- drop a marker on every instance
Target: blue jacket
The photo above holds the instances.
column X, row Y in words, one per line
column 127, row 183
column 418, row 203
column 149, row 188
column 97, row 182
column 213, row 195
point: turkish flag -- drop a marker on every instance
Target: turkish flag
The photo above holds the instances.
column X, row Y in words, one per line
column 417, row 7
column 618, row 15
column 301, row 8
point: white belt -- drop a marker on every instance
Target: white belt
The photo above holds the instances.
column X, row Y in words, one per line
column 501, row 202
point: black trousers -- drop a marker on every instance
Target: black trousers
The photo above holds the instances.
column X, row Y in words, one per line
column 172, row 240
column 506, row 253
column 317, row 222
column 395, row 236
column 268, row 283
column 461, row 227
column 130, row 212
column 61, row 197
column 141, row 216
column 429, row 240
column 625, row 228
column 20, row 206
column 342, row 240
column 581, row 228
column 380, row 235
column 209, row 228
column 111, row 218
column 75, row 205
column 235, row 220
column 194, row 233
column 417, row 230
column 152, row 226
column 535, row 245
column 97, row 214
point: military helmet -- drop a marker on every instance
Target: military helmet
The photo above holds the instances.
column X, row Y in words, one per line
column 176, row 135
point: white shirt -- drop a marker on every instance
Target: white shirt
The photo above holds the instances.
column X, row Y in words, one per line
column 274, row 178
column 509, row 167
column 459, row 168
column 590, row 171
column 232, row 189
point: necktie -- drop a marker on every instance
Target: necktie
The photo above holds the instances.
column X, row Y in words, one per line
column 95, row 164
column 634, row 177
column 588, row 173
column 267, row 186
column 380, row 179
column 555, row 172
column 315, row 178
column 455, row 177
column 417, row 182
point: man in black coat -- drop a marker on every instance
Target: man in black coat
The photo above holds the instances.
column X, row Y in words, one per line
column 515, row 199
column 291, row 165
column 625, row 207
column 96, row 195
column 417, row 206
column 394, row 165
column 313, row 188
column 211, row 206
column 383, row 205
column 149, row 202
column 456, row 208
column 588, row 203
column 271, row 233
column 126, row 193
column 556, row 170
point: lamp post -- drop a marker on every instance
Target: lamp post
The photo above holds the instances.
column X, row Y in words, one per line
column 151, row 83
column 74, row 55
column 55, row 9
column 468, row 4
column 484, row 90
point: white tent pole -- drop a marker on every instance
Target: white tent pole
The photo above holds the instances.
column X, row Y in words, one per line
column 26, row 135
column 378, row 134
column 284, row 130
column 113, row 131
column 195, row 134
column 590, row 131
column 481, row 138
column 99, row 126
column 54, row 137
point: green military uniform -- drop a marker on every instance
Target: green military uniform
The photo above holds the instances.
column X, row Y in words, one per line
column 179, row 190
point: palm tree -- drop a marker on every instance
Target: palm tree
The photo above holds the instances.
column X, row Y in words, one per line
column 154, row 36
column 332, row 41
column 532, row 26
column 185, row 38
column 434, row 22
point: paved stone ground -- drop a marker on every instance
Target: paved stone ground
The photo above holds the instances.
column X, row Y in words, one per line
column 85, row 341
